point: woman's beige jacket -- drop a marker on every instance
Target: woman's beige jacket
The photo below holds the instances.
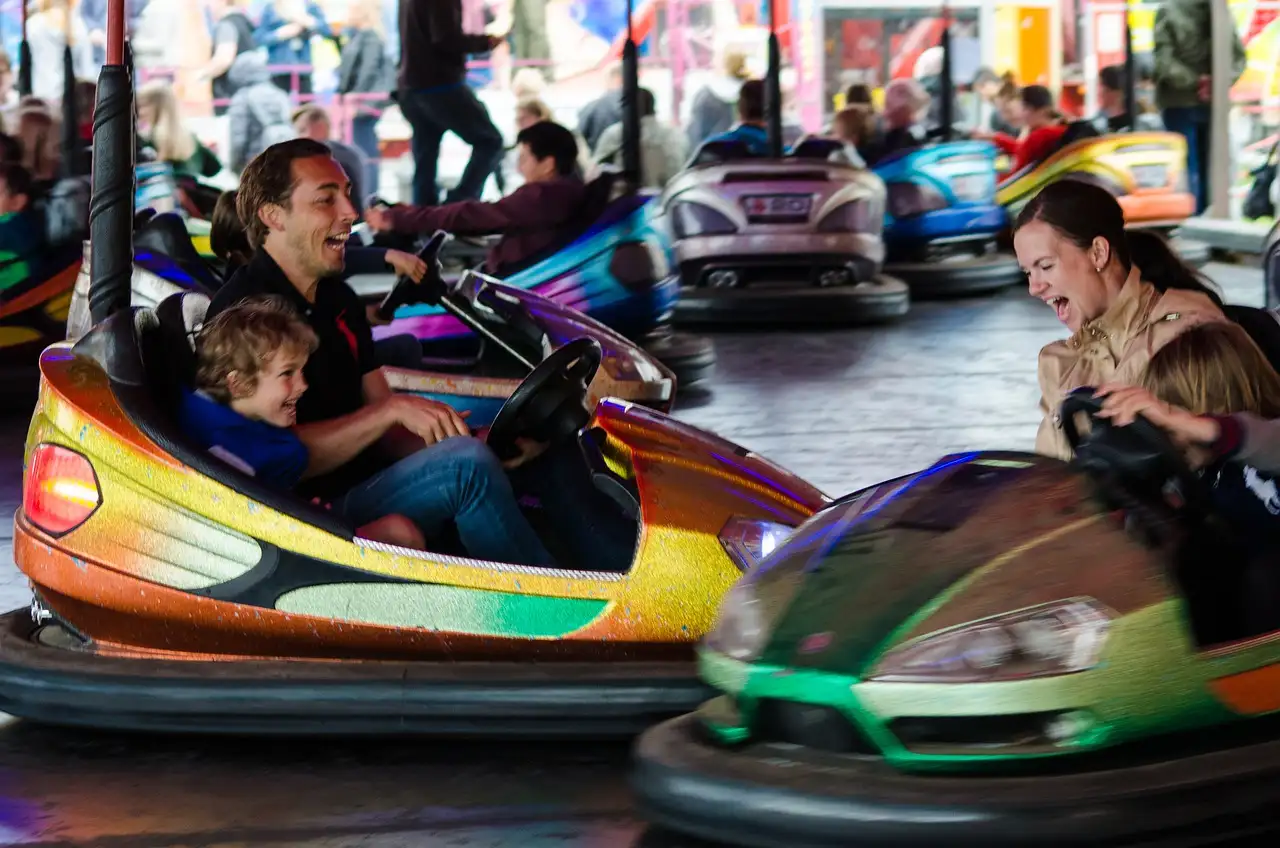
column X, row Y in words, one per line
column 1115, row 347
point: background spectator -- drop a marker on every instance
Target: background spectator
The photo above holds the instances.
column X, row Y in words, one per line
column 260, row 112
column 48, row 31
column 434, row 98
column 715, row 105
column 1183, row 64
column 161, row 128
column 37, row 132
column 1112, row 116
column 286, row 30
column 366, row 68
column 663, row 150
column 604, row 111
column 313, row 122
column 232, row 35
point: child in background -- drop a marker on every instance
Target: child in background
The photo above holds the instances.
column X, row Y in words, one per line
column 21, row 236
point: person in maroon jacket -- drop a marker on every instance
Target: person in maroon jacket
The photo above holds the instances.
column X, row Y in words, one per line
column 434, row 97
column 530, row 219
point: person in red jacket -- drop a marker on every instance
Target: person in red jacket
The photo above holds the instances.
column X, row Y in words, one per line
column 1043, row 130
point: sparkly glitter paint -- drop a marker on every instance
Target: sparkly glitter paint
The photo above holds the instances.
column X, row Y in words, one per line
column 132, row 576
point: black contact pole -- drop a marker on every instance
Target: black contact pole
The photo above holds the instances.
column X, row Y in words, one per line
column 946, row 84
column 72, row 155
column 630, row 109
column 773, row 87
column 1131, row 75
column 24, row 57
column 111, row 209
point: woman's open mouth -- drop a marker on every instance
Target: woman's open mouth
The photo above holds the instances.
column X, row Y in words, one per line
column 1062, row 306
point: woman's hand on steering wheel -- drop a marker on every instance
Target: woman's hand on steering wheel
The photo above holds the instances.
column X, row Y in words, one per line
column 1124, row 404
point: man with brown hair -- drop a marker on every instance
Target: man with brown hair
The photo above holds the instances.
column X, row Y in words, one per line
column 294, row 201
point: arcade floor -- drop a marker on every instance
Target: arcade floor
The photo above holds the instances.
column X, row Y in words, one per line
column 843, row 409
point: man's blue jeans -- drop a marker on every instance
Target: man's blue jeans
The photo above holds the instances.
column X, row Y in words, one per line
column 458, row 480
column 1192, row 123
column 431, row 113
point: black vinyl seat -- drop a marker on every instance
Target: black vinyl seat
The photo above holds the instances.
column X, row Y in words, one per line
column 1262, row 326
column 166, row 235
column 716, row 151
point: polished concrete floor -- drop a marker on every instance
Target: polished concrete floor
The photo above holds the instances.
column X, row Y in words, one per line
column 842, row 408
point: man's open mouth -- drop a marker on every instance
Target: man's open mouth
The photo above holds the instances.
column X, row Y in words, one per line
column 337, row 242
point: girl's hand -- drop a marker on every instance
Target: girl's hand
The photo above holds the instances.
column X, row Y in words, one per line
column 1125, row 403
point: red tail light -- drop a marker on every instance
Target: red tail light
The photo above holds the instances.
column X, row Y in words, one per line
column 59, row 490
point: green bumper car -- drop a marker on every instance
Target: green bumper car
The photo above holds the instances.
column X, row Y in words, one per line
column 1003, row 649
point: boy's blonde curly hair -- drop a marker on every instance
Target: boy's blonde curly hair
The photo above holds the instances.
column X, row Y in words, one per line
column 242, row 339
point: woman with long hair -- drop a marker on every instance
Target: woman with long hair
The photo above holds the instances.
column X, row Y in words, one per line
column 160, row 127
column 1123, row 296
column 366, row 69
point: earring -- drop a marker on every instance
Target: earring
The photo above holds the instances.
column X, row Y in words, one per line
column 1098, row 269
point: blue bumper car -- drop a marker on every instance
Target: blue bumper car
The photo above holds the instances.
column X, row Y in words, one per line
column 942, row 220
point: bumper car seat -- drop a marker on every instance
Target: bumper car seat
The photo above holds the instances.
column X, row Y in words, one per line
column 718, row 151
column 166, row 235
column 596, row 199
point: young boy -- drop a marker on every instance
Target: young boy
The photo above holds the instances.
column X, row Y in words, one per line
column 21, row 239
column 249, row 379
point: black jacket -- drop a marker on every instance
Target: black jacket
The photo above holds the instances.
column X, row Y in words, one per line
column 433, row 47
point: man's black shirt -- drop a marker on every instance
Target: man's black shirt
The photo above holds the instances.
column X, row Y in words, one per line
column 335, row 371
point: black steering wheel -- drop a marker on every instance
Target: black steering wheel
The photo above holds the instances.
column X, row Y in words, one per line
column 551, row 404
column 1140, row 458
column 430, row 290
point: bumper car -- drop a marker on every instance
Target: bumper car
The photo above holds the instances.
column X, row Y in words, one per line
column 1146, row 171
column 35, row 290
column 175, row 593
column 509, row 331
column 1003, row 649
column 942, row 220
column 611, row 264
column 789, row 240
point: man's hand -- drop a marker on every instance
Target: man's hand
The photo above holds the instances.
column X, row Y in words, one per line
column 429, row 420
column 496, row 41
column 379, row 219
column 529, row 450
column 1125, row 403
column 407, row 265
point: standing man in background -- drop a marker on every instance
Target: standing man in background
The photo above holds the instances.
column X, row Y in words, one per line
column 1183, row 64
column 435, row 99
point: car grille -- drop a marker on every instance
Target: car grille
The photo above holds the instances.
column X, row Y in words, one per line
column 810, row 726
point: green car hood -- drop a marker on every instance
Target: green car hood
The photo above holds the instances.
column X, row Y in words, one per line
column 872, row 570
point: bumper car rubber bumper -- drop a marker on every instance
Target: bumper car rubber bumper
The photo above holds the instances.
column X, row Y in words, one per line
column 959, row 276
column 775, row 796
column 692, row 358
column 882, row 299
column 46, row 679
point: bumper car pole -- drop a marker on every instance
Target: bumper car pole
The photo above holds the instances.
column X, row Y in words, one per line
column 773, row 87
column 24, row 57
column 631, row 110
column 111, row 206
column 946, row 83
column 1222, row 33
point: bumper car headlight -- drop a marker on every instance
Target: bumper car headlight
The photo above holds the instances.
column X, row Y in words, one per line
column 907, row 199
column 748, row 541
column 740, row 629
column 1053, row 639
column 694, row 219
column 624, row 367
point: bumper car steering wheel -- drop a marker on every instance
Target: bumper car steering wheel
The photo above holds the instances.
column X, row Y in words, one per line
column 1140, row 459
column 430, row 290
column 551, row 404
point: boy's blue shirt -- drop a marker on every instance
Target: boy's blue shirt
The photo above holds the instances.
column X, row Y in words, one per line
column 755, row 138
column 271, row 454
